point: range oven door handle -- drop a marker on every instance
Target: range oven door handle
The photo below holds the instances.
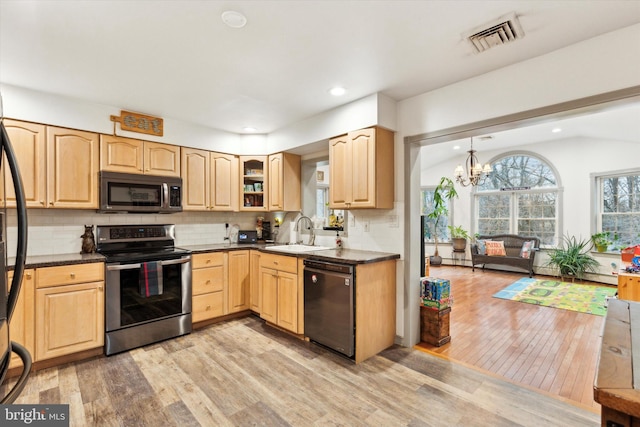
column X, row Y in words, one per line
column 115, row 267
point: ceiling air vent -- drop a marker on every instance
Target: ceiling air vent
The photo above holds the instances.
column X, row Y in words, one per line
column 503, row 30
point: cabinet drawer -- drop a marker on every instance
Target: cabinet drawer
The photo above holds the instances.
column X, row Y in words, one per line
column 205, row 280
column 207, row 260
column 69, row 274
column 279, row 262
column 207, row 306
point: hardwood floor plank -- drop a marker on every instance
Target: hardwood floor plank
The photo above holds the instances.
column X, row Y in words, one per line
column 242, row 372
column 550, row 349
column 155, row 366
column 98, row 412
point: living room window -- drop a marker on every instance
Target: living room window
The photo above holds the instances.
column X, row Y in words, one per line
column 426, row 206
column 618, row 206
column 521, row 196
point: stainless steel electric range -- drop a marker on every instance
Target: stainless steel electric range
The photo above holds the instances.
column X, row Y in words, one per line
column 147, row 283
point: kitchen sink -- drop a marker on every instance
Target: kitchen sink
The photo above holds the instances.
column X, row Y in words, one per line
column 296, row 249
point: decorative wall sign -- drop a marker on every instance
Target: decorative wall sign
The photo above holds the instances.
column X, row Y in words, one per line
column 141, row 123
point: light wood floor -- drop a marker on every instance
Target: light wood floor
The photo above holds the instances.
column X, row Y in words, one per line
column 548, row 349
column 242, row 373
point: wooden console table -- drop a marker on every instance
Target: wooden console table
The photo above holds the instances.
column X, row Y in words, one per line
column 629, row 286
column 617, row 383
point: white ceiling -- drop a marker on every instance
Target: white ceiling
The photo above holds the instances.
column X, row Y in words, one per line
column 619, row 123
column 176, row 59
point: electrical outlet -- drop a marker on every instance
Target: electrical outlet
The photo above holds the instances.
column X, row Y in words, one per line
column 393, row 221
column 365, row 226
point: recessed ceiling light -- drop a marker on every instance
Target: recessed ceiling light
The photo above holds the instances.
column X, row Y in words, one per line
column 556, row 130
column 234, row 19
column 456, row 147
column 249, row 129
column 337, row 91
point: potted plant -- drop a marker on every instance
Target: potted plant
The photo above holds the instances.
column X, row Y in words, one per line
column 601, row 241
column 459, row 237
column 444, row 191
column 572, row 258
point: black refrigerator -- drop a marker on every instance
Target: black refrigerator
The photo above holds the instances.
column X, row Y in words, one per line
column 8, row 299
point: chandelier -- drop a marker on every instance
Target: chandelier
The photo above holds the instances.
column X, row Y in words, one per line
column 474, row 172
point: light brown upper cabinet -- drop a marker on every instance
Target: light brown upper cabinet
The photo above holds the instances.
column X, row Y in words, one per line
column 210, row 180
column 284, row 182
column 224, row 182
column 72, row 168
column 29, row 144
column 361, row 170
column 129, row 155
column 59, row 167
column 254, row 183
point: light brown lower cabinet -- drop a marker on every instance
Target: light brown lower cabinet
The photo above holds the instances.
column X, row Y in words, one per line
column 279, row 291
column 69, row 309
column 239, row 281
column 21, row 329
column 208, row 278
column 254, row 292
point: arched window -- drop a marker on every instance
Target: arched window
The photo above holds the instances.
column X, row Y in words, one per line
column 521, row 196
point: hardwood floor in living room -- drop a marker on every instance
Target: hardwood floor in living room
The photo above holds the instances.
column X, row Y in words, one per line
column 551, row 350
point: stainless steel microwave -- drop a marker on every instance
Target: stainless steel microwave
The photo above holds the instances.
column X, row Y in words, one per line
column 125, row 192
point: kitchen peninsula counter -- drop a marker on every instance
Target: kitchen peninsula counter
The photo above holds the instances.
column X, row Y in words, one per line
column 350, row 256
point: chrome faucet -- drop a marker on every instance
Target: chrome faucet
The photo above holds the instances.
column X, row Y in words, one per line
column 312, row 235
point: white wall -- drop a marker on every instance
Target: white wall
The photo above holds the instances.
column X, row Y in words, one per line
column 365, row 112
column 29, row 105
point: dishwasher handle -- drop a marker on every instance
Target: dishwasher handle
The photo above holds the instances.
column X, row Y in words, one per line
column 325, row 267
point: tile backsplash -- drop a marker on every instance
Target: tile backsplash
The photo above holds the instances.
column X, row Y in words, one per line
column 58, row 231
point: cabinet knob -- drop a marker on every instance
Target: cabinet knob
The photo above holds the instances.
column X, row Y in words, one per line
column 50, row 203
column 208, row 308
column 73, row 275
column 28, row 276
column 208, row 282
column 42, row 202
column 100, row 288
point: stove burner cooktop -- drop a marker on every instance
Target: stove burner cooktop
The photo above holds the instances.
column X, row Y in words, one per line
column 138, row 243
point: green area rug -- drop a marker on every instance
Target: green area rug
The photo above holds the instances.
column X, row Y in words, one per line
column 552, row 293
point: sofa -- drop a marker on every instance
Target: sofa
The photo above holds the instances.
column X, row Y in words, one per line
column 505, row 249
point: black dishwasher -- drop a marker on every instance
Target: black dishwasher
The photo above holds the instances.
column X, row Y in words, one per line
column 329, row 298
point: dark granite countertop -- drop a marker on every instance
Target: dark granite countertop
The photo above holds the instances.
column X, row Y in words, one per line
column 40, row 261
column 216, row 247
column 343, row 255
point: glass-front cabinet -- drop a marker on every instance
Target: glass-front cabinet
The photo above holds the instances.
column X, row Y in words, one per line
column 253, row 170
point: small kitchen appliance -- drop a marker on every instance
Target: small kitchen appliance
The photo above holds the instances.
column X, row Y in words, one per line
column 125, row 192
column 247, row 236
